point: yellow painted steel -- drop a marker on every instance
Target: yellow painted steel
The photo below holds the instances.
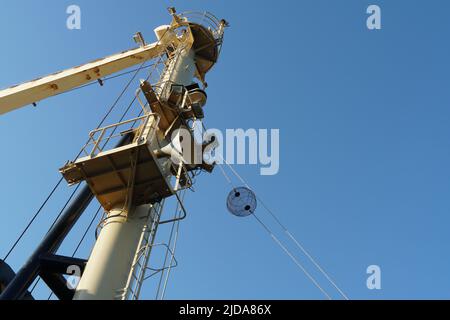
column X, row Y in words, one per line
column 39, row 89
column 36, row 90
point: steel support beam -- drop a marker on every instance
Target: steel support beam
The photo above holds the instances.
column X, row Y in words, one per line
column 50, row 244
column 52, row 241
column 45, row 87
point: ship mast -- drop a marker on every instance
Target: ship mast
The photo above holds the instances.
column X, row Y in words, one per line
column 131, row 179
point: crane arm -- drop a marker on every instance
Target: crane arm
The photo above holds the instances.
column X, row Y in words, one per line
column 36, row 90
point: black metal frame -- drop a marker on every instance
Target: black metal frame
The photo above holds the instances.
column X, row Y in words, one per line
column 51, row 243
column 53, row 268
column 44, row 262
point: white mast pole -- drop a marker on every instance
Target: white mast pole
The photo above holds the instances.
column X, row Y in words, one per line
column 111, row 262
column 107, row 271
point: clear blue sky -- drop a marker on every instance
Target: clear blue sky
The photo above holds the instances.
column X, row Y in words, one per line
column 365, row 139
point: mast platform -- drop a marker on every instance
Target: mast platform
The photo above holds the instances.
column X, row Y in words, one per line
column 126, row 175
column 119, row 176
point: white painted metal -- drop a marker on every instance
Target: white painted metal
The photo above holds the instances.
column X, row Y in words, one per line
column 108, row 269
column 111, row 267
column 165, row 34
column 180, row 70
column 138, row 272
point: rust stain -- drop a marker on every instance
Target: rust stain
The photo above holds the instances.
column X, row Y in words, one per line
column 97, row 72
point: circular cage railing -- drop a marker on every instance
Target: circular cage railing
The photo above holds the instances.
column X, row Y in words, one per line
column 209, row 21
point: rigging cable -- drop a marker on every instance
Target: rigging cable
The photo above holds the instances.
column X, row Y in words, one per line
column 82, row 238
column 174, row 248
column 33, row 219
column 58, row 184
column 54, row 222
column 280, row 244
column 274, row 216
column 113, row 106
column 289, row 234
column 106, row 79
column 286, row 250
column 174, row 230
column 180, row 209
column 111, row 109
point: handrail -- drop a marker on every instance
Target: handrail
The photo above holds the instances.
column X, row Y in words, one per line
column 120, row 123
column 207, row 19
column 205, row 16
column 97, row 141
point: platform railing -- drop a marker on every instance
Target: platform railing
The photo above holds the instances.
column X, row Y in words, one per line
column 100, row 139
column 206, row 19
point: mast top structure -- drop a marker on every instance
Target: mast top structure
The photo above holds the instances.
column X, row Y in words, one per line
column 140, row 172
column 203, row 31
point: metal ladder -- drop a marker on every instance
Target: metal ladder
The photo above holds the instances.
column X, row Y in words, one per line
column 140, row 262
column 138, row 274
